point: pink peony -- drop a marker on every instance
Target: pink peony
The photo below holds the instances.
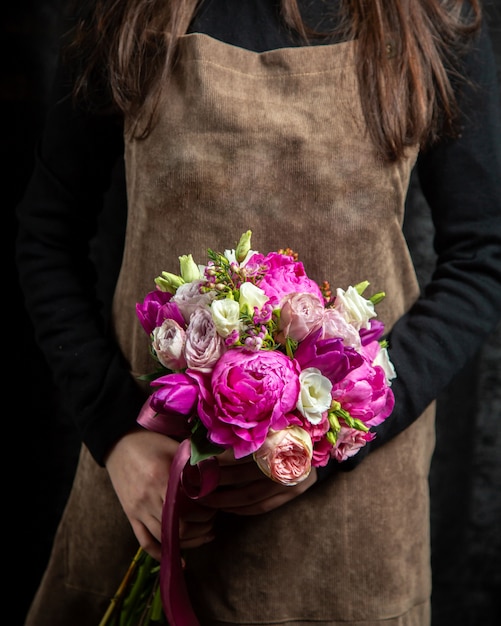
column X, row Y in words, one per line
column 365, row 394
column 247, row 394
column 300, row 314
column 285, row 276
column 285, row 456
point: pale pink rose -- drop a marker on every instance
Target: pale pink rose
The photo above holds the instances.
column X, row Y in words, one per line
column 300, row 314
column 349, row 442
column 189, row 298
column 168, row 343
column 334, row 325
column 285, row 456
column 203, row 345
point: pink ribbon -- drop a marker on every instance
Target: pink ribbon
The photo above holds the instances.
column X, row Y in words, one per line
column 194, row 481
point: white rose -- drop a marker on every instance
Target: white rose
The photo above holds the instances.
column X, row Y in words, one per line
column 251, row 297
column 314, row 394
column 226, row 316
column 383, row 360
column 356, row 309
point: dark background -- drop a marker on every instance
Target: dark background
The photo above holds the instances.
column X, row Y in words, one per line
column 41, row 445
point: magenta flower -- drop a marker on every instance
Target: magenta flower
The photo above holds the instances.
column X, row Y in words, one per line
column 285, row 276
column 155, row 308
column 176, row 394
column 374, row 333
column 330, row 356
column 247, row 394
column 365, row 394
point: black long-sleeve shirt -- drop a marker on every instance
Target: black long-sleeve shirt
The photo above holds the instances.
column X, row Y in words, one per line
column 59, row 217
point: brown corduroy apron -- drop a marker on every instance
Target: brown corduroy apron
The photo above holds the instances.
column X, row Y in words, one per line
column 276, row 143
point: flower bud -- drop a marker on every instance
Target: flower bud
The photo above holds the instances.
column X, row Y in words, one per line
column 189, row 269
column 169, row 282
column 243, row 246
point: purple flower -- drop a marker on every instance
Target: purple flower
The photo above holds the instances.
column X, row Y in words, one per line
column 155, row 308
column 330, row 356
column 374, row 333
column 247, row 394
column 177, row 394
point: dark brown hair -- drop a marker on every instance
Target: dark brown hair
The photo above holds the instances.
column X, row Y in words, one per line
column 408, row 53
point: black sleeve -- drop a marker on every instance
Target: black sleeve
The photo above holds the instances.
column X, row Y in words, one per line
column 461, row 304
column 57, row 223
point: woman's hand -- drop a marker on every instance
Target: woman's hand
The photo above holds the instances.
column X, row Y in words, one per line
column 245, row 490
column 138, row 466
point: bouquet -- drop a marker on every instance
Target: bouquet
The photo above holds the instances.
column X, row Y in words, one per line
column 252, row 355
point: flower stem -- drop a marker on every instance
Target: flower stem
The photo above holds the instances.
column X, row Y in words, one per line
column 121, row 589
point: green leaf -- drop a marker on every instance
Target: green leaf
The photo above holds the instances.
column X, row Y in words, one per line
column 201, row 447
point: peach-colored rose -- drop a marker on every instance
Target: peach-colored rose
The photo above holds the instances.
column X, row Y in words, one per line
column 285, row 456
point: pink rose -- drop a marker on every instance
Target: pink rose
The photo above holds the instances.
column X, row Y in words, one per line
column 203, row 345
column 334, row 325
column 349, row 442
column 247, row 394
column 285, row 456
column 188, row 298
column 300, row 314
